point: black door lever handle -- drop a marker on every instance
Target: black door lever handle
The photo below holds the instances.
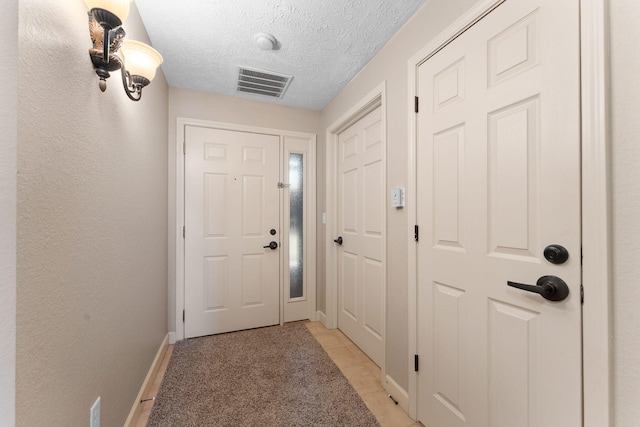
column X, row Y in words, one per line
column 338, row 241
column 272, row 246
column 549, row 287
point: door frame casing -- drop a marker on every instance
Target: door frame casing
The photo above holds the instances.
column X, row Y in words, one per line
column 181, row 123
column 595, row 146
column 374, row 99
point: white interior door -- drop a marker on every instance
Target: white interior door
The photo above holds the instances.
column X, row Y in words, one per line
column 498, row 180
column 361, row 225
column 231, row 204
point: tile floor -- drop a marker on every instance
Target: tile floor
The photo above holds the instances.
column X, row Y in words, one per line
column 362, row 373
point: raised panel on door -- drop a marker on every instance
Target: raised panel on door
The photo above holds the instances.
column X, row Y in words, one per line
column 349, row 202
column 450, row 357
column 373, row 291
column 449, row 191
column 373, row 211
column 349, row 278
column 513, row 380
column 253, row 202
column 231, row 203
column 513, row 146
column 215, row 283
column 214, row 216
column 361, row 224
column 253, row 270
column 498, row 179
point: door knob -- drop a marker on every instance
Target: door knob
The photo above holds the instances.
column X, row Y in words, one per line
column 338, row 241
column 550, row 287
column 272, row 246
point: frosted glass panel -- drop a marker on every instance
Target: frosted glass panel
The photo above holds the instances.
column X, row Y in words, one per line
column 296, row 221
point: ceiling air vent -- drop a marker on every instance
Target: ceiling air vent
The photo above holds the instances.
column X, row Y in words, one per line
column 262, row 82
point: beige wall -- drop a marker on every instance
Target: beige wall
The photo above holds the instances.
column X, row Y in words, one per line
column 8, row 142
column 390, row 65
column 217, row 108
column 625, row 96
column 92, row 221
column 91, row 199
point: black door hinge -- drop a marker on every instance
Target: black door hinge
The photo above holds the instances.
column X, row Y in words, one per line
column 417, row 104
column 184, row 232
column 182, row 316
column 184, row 147
column 416, row 233
column 582, row 294
column 416, row 363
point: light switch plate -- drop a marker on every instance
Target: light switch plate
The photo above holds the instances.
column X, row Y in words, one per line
column 397, row 197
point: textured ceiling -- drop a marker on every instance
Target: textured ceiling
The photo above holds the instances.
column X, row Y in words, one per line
column 322, row 43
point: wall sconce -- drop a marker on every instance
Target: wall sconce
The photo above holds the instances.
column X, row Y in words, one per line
column 107, row 34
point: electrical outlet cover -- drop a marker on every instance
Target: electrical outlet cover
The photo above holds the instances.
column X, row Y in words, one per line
column 94, row 420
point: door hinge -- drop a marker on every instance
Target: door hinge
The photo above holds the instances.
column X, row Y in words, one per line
column 417, row 104
column 582, row 294
column 182, row 316
column 416, row 363
column 283, row 185
column 184, row 232
column 416, row 233
column 184, row 147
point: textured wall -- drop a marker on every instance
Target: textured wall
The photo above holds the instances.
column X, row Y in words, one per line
column 218, row 108
column 390, row 64
column 8, row 142
column 92, row 221
column 625, row 67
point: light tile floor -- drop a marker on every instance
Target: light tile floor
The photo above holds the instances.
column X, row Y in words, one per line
column 362, row 373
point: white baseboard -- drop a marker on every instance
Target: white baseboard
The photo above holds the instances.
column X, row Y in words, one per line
column 397, row 392
column 136, row 409
column 172, row 338
column 320, row 316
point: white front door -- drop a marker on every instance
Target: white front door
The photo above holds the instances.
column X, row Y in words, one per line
column 361, row 226
column 498, row 181
column 232, row 281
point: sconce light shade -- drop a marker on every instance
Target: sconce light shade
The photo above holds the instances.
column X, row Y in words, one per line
column 107, row 36
column 141, row 59
column 120, row 8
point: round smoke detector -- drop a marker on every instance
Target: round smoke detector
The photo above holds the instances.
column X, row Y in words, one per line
column 265, row 41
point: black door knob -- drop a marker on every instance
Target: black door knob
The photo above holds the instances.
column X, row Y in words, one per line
column 550, row 287
column 338, row 241
column 272, row 246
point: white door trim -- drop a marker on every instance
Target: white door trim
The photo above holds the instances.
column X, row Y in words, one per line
column 375, row 98
column 181, row 123
column 596, row 357
column 596, row 222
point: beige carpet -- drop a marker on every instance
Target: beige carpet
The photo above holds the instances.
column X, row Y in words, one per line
column 276, row 376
